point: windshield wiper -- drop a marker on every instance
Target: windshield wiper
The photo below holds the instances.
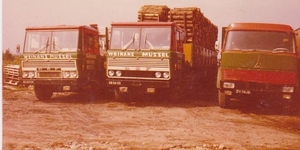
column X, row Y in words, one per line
column 280, row 50
column 55, row 46
column 130, row 42
column 148, row 42
column 45, row 46
column 249, row 50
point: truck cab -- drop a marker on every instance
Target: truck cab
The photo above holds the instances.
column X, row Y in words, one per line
column 144, row 57
column 258, row 61
column 62, row 58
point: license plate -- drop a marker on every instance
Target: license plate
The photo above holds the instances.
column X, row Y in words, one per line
column 150, row 90
column 243, row 91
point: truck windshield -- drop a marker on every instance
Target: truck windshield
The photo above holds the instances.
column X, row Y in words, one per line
column 260, row 41
column 141, row 38
column 51, row 41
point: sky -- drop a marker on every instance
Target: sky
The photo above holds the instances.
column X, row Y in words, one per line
column 19, row 14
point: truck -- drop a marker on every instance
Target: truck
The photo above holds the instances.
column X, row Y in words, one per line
column 258, row 62
column 166, row 52
column 63, row 58
column 297, row 32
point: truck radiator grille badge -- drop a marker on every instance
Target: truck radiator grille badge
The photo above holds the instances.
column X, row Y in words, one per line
column 258, row 63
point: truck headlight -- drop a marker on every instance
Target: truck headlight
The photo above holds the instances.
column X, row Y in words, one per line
column 157, row 74
column 111, row 72
column 31, row 74
column 118, row 73
column 73, row 74
column 287, row 89
column 28, row 74
column 25, row 74
column 228, row 85
column 66, row 74
column 166, row 74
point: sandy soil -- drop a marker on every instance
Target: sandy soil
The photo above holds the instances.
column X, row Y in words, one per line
column 70, row 121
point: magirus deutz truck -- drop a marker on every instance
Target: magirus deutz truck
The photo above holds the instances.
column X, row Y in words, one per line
column 161, row 57
column 258, row 62
column 63, row 58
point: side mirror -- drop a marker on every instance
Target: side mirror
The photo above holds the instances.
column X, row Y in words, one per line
column 18, row 48
column 102, row 48
column 217, row 46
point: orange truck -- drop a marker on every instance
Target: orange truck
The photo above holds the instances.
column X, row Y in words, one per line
column 258, row 62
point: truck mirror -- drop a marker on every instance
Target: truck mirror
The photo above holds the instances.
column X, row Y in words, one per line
column 217, row 46
column 18, row 48
column 102, row 48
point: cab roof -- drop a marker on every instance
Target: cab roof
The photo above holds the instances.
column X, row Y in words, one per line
column 57, row 27
column 143, row 24
column 260, row 26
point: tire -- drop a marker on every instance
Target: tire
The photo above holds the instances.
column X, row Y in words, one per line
column 175, row 94
column 224, row 100
column 288, row 106
column 94, row 93
column 43, row 92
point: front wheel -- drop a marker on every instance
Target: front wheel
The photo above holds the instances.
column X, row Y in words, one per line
column 93, row 93
column 174, row 94
column 43, row 92
column 224, row 100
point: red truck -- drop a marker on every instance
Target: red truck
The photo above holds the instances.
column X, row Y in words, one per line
column 259, row 61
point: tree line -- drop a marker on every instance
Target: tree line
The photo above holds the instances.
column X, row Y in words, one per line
column 9, row 58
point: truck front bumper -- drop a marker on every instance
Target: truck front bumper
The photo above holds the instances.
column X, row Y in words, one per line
column 260, row 90
column 138, row 83
column 50, row 81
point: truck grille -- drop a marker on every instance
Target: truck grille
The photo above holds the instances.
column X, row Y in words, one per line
column 141, row 62
column 50, row 74
column 49, row 64
column 138, row 68
column 48, row 69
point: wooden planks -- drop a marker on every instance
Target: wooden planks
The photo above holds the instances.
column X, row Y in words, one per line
column 152, row 13
column 199, row 29
column 11, row 74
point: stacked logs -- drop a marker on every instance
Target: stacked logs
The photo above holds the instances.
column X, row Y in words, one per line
column 199, row 29
column 152, row 13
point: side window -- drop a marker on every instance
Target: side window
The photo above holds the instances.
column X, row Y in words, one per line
column 179, row 41
column 91, row 43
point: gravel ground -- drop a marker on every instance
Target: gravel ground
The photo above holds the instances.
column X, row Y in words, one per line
column 70, row 121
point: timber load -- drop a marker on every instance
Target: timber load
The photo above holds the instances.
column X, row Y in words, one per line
column 152, row 13
column 199, row 29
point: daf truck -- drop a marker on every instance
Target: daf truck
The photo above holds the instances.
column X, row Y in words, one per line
column 63, row 58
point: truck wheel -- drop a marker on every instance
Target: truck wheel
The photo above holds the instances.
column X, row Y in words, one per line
column 43, row 92
column 223, row 100
column 94, row 93
column 175, row 94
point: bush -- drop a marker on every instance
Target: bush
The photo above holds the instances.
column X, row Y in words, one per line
column 7, row 57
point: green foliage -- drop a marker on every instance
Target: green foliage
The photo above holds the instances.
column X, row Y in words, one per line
column 9, row 58
column 16, row 60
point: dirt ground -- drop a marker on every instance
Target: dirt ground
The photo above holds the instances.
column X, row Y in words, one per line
column 70, row 121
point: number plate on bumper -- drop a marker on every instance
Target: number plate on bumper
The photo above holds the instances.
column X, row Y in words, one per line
column 238, row 91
